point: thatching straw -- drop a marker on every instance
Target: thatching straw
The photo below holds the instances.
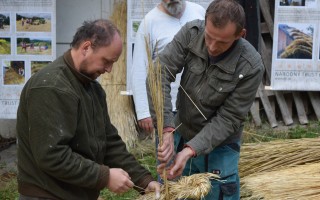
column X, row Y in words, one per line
column 302, row 182
column 120, row 106
column 268, row 156
column 196, row 186
column 155, row 87
column 300, row 47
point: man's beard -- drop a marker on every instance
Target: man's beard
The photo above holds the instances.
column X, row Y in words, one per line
column 83, row 70
column 174, row 7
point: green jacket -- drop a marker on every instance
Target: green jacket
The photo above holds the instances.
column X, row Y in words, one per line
column 66, row 142
column 223, row 91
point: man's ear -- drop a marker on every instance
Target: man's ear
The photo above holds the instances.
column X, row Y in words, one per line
column 86, row 45
column 243, row 33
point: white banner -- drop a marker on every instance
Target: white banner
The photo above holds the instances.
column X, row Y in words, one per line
column 27, row 43
column 296, row 44
column 136, row 11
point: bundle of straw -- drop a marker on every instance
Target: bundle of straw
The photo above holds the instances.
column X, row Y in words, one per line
column 155, row 89
column 269, row 156
column 301, row 182
column 196, row 186
column 120, row 106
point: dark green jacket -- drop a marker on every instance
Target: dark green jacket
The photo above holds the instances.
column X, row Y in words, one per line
column 223, row 91
column 66, row 142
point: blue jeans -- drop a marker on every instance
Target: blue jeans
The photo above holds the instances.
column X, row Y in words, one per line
column 222, row 161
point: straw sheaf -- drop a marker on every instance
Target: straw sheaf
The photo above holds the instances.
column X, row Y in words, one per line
column 301, row 47
column 155, row 87
column 194, row 187
column 269, row 156
column 301, row 182
column 120, row 106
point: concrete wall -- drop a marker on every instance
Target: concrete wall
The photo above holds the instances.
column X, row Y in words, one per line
column 70, row 15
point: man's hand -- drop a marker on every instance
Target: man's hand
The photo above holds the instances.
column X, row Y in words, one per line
column 182, row 157
column 166, row 151
column 119, row 181
column 154, row 186
column 146, row 124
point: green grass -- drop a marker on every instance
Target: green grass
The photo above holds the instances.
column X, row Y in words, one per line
column 266, row 134
column 9, row 192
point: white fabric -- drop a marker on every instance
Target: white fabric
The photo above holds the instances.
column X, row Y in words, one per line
column 160, row 28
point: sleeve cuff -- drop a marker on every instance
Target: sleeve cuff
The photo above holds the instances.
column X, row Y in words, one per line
column 103, row 177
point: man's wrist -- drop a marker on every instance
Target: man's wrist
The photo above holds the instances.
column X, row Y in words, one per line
column 168, row 130
column 191, row 151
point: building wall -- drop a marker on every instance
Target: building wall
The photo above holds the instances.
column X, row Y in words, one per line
column 70, row 15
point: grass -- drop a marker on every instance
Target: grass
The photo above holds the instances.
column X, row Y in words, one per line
column 266, row 134
column 144, row 152
column 9, row 191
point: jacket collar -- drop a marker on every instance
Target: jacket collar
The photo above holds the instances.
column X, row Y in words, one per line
column 228, row 64
column 69, row 61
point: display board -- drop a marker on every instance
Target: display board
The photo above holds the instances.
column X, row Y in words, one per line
column 27, row 43
column 296, row 44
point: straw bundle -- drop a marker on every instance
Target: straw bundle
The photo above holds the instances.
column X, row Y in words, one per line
column 301, row 47
column 268, row 156
column 301, row 182
column 155, row 88
column 196, row 186
column 120, row 106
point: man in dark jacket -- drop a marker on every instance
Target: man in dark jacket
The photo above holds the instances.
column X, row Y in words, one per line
column 67, row 147
column 221, row 74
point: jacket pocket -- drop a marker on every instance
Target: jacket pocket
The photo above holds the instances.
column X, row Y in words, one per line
column 191, row 78
column 216, row 92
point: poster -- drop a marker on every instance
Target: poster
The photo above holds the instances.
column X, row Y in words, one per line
column 296, row 46
column 135, row 12
column 27, row 43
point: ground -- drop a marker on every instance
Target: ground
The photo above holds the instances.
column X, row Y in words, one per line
column 8, row 164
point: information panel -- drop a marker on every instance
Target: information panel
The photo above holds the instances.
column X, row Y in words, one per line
column 27, row 43
column 296, row 54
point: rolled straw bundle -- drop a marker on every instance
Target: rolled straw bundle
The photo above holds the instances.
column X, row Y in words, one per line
column 120, row 106
column 269, row 156
column 301, row 182
column 195, row 187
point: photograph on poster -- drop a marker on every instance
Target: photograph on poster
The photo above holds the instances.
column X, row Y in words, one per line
column 34, row 46
column 295, row 41
column 37, row 65
column 5, row 46
column 292, row 2
column 13, row 72
column 4, row 22
column 33, row 22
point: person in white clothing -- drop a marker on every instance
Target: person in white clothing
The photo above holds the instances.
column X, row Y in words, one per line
column 159, row 27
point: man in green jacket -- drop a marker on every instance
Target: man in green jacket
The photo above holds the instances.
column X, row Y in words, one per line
column 221, row 74
column 67, row 147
